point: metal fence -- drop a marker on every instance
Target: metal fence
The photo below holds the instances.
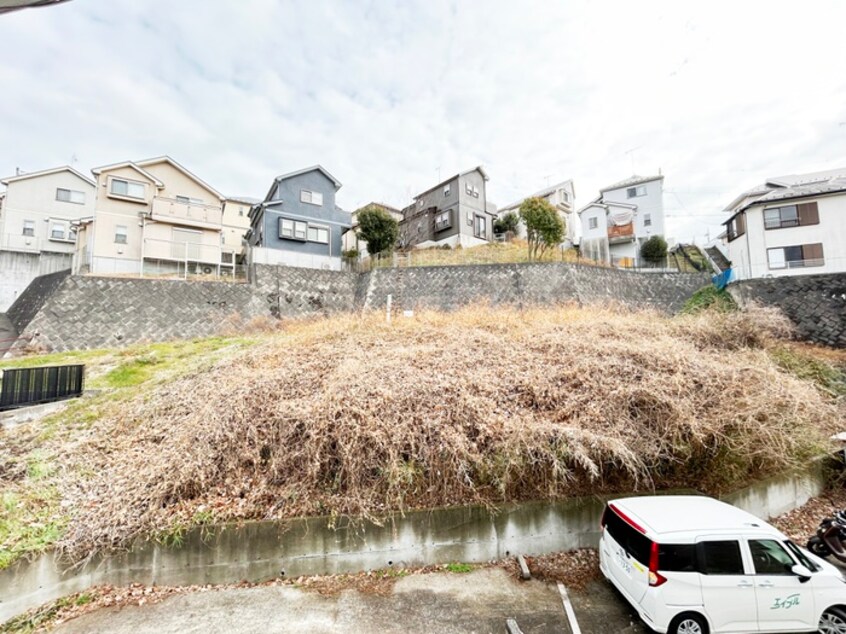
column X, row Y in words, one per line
column 30, row 386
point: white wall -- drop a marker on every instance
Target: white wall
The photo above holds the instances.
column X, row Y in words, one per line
column 748, row 253
column 261, row 255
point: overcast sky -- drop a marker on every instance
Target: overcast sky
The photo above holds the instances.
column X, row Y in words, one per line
column 388, row 96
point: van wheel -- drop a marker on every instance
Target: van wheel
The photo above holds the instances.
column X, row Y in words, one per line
column 690, row 623
column 833, row 621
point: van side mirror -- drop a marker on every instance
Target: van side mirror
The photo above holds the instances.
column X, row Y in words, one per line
column 802, row 572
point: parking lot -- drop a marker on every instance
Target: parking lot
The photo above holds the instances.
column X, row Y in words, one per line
column 480, row 601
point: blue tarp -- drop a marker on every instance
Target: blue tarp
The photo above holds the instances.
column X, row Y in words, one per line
column 722, row 279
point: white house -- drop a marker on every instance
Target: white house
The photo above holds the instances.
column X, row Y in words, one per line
column 621, row 219
column 790, row 225
column 37, row 234
column 560, row 196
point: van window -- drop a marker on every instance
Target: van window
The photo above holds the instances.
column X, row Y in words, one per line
column 769, row 558
column 802, row 557
column 634, row 542
column 677, row 557
column 721, row 558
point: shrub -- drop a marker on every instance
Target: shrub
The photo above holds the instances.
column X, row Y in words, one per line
column 507, row 223
column 378, row 228
column 654, row 250
column 544, row 226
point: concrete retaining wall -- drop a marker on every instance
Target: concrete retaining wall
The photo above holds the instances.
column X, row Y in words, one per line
column 17, row 270
column 816, row 304
column 83, row 312
column 261, row 550
column 32, row 300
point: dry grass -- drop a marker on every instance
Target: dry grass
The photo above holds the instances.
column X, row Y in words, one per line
column 351, row 416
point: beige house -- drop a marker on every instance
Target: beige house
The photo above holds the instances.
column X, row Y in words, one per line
column 153, row 217
column 236, row 223
column 38, row 214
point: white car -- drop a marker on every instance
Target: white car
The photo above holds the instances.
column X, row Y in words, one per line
column 695, row 565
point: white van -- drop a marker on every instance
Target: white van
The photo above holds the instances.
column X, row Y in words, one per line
column 694, row 565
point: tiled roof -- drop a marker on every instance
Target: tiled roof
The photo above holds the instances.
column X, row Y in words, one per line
column 632, row 181
column 792, row 186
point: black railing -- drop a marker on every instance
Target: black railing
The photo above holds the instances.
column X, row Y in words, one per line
column 30, row 386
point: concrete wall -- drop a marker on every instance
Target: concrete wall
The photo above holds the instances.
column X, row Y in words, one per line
column 816, row 304
column 85, row 312
column 18, row 270
column 31, row 301
column 262, row 550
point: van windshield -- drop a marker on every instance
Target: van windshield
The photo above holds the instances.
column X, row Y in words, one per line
column 802, row 557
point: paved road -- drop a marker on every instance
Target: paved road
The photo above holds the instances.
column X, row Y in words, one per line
column 478, row 602
column 601, row 610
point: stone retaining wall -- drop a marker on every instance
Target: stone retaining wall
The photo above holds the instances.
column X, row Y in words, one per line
column 816, row 304
column 256, row 551
column 82, row 312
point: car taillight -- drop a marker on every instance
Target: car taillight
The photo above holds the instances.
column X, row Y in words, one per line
column 655, row 578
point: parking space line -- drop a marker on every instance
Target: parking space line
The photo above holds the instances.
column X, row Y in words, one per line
column 568, row 609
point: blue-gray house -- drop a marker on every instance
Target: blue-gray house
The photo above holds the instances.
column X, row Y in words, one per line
column 298, row 223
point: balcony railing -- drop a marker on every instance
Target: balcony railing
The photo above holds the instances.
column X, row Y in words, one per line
column 179, row 251
column 170, row 209
column 621, row 233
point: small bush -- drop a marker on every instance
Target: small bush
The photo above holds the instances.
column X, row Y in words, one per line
column 654, row 250
column 709, row 298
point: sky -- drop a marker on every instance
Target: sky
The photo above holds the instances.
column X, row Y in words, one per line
column 391, row 97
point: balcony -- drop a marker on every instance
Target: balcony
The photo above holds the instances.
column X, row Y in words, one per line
column 177, row 212
column 621, row 233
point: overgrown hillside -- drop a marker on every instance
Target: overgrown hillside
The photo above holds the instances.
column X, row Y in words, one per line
column 353, row 416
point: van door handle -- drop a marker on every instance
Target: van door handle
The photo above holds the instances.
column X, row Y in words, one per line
column 765, row 584
column 744, row 584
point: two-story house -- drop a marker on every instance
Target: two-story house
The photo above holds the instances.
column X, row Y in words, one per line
column 790, row 225
column 625, row 215
column 561, row 197
column 236, row 223
column 38, row 212
column 455, row 212
column 153, row 217
column 351, row 241
column 298, row 222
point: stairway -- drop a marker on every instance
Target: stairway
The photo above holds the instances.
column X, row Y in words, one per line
column 718, row 259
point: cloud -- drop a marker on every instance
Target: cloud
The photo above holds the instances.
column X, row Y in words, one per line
column 388, row 95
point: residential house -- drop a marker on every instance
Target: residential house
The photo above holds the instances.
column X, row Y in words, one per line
column 37, row 233
column 351, row 241
column 236, row 223
column 298, row 222
column 561, row 197
column 789, row 225
column 455, row 212
column 625, row 215
column 153, row 217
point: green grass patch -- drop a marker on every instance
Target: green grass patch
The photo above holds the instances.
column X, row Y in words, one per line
column 41, row 617
column 458, row 568
column 810, row 368
column 29, row 523
column 709, row 298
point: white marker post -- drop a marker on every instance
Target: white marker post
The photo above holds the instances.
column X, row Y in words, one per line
column 388, row 309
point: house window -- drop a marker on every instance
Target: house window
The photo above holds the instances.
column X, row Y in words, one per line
column 318, row 234
column 446, row 190
column 796, row 257
column 736, row 227
column 593, row 223
column 186, row 200
column 29, row 228
column 480, row 228
column 292, row 229
column 636, row 192
column 186, row 244
column 647, row 220
column 120, row 234
column 443, row 220
column 468, row 188
column 240, row 211
column 420, row 203
column 475, row 191
column 130, row 189
column 57, row 231
column 70, row 196
column 310, row 197
column 565, row 196
column 791, row 216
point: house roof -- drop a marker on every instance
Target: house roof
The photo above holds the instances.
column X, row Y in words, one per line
column 183, row 169
column 107, row 168
column 319, row 168
column 55, row 170
column 247, row 200
column 632, row 181
column 790, row 187
column 480, row 169
column 540, row 194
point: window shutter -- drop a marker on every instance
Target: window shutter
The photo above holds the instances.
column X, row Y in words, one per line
column 808, row 214
column 812, row 251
